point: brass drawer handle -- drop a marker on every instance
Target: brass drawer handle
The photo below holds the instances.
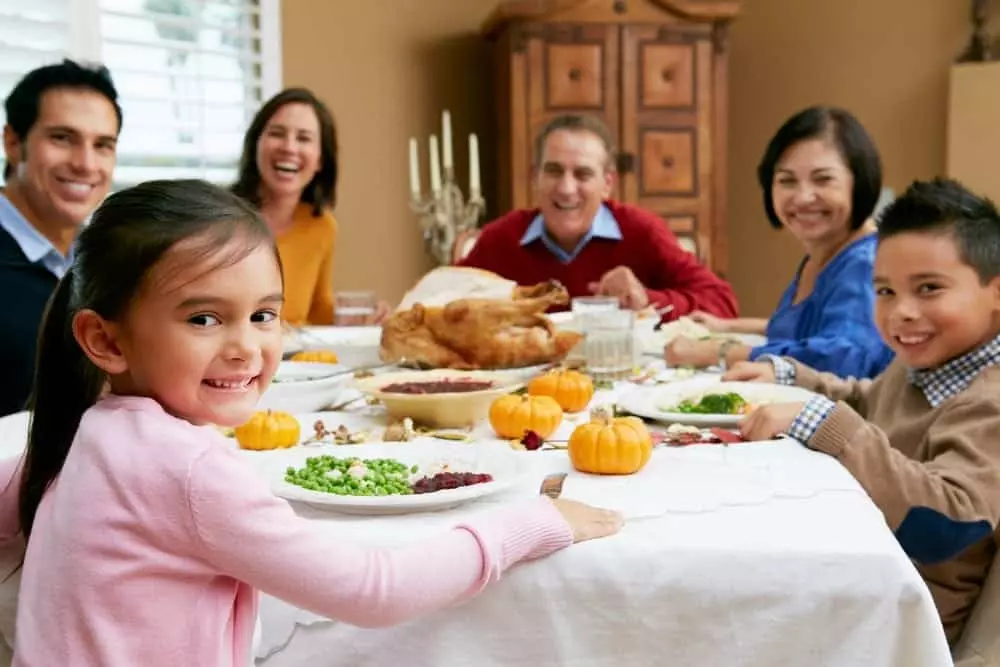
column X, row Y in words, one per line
column 574, row 74
column 667, row 162
column 667, row 74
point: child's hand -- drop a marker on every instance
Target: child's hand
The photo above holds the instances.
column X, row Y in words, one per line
column 750, row 371
column 588, row 522
column 769, row 421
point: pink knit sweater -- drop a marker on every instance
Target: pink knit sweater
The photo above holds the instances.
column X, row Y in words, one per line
column 148, row 548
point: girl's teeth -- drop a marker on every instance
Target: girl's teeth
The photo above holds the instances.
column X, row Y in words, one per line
column 220, row 384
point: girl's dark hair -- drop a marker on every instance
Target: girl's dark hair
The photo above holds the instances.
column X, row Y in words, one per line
column 127, row 236
column 851, row 140
column 321, row 192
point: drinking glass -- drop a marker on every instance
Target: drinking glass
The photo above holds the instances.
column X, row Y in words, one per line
column 354, row 309
column 609, row 343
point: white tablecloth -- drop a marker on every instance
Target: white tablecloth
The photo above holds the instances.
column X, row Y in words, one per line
column 759, row 554
column 749, row 555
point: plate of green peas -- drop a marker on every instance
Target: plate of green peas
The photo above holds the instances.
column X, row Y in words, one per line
column 394, row 478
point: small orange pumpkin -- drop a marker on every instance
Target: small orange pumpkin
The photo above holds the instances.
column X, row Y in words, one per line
column 571, row 389
column 610, row 445
column 513, row 414
column 316, row 356
column 268, row 430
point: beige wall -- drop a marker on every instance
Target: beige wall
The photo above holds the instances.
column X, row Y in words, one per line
column 387, row 68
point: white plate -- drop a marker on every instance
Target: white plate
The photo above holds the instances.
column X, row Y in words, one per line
column 305, row 387
column 354, row 346
column 652, row 343
column 652, row 402
column 507, row 468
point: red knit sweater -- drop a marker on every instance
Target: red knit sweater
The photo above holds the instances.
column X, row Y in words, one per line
column 670, row 274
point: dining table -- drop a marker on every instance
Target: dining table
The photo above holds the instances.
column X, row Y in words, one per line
column 750, row 554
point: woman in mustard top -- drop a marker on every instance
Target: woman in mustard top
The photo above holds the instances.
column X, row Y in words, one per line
column 289, row 170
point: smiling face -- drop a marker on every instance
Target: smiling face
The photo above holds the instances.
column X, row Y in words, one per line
column 289, row 151
column 812, row 192
column 573, row 181
column 203, row 338
column 930, row 306
column 62, row 168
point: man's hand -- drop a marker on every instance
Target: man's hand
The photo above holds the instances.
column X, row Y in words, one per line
column 769, row 421
column 620, row 282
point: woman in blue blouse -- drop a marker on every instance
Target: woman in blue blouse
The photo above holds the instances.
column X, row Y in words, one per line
column 821, row 178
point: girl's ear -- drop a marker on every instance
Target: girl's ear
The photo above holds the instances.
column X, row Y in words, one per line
column 97, row 338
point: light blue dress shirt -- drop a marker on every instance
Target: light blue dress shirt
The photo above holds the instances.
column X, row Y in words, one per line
column 37, row 248
column 604, row 227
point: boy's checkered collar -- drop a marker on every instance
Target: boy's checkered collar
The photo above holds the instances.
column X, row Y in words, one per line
column 940, row 384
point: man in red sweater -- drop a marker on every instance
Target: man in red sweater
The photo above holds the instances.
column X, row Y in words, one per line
column 590, row 244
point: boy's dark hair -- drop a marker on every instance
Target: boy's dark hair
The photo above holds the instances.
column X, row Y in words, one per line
column 321, row 192
column 848, row 136
column 23, row 104
column 128, row 235
column 945, row 206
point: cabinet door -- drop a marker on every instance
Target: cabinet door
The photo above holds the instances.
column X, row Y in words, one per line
column 666, row 129
column 571, row 68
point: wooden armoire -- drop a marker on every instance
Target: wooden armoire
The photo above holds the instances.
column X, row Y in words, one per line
column 654, row 70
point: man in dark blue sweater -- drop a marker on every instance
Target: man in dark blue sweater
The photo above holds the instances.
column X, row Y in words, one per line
column 60, row 141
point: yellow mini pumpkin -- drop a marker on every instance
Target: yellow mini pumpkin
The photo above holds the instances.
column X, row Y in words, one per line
column 268, row 430
column 610, row 445
column 571, row 389
column 316, row 356
column 514, row 414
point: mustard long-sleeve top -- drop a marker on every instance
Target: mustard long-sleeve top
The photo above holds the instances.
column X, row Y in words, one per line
column 306, row 250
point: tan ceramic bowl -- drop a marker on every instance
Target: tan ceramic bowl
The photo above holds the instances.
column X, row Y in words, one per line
column 443, row 410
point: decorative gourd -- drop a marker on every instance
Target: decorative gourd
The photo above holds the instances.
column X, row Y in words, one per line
column 571, row 389
column 268, row 430
column 610, row 445
column 514, row 414
column 316, row 356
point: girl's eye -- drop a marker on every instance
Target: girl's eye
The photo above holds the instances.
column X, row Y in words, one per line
column 928, row 288
column 264, row 316
column 883, row 291
column 204, row 320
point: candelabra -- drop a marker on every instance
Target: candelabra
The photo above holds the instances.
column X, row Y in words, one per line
column 445, row 215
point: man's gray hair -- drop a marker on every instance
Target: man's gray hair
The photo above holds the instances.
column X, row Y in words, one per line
column 577, row 123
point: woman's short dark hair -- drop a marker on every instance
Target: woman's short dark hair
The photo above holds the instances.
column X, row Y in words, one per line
column 850, row 139
column 321, row 192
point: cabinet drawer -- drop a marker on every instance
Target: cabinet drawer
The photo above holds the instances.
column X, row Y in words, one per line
column 668, row 163
column 574, row 76
column 667, row 72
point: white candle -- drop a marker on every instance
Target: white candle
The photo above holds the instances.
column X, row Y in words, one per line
column 414, row 169
column 435, row 166
column 473, row 165
column 446, row 139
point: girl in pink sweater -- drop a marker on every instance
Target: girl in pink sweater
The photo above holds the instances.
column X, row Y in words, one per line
column 147, row 534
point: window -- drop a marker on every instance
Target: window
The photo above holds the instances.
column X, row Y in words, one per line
column 190, row 73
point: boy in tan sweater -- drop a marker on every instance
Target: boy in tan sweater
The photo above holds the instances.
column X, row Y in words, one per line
column 923, row 438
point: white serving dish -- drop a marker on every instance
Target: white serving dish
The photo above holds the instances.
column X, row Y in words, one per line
column 305, row 387
column 354, row 346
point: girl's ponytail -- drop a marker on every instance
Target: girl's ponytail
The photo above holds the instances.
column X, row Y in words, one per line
column 66, row 385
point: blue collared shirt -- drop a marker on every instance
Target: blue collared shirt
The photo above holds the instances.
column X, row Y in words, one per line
column 604, row 227
column 36, row 248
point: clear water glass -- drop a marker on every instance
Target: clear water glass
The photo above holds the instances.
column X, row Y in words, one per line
column 354, row 309
column 609, row 342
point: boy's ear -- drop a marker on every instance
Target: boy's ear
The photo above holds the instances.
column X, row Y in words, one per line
column 97, row 338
